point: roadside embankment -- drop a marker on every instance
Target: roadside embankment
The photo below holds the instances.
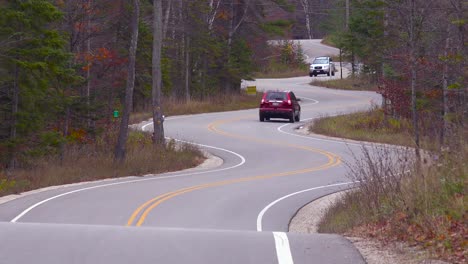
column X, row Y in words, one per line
column 400, row 214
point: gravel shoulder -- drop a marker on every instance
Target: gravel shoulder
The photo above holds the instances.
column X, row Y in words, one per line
column 373, row 251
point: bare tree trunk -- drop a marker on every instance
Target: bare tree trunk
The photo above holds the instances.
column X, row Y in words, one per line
column 158, row 118
column 64, row 133
column 445, row 129
column 166, row 18
column 347, row 15
column 88, row 70
column 461, row 11
column 233, row 26
column 213, row 13
column 412, row 43
column 187, row 68
column 306, row 7
column 341, row 64
column 119, row 154
column 14, row 119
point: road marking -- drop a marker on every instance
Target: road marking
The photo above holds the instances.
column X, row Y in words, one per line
column 283, row 250
column 212, row 127
column 264, row 210
column 337, row 140
column 333, row 160
column 166, row 119
column 315, row 101
column 153, row 203
column 340, row 141
column 242, row 161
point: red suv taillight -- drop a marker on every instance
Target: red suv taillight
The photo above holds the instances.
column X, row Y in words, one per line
column 263, row 100
column 289, row 100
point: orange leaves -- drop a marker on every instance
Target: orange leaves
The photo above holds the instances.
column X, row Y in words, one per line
column 444, row 236
column 78, row 135
column 100, row 56
column 223, row 15
column 103, row 54
column 400, row 216
column 60, row 3
column 87, row 67
column 433, row 94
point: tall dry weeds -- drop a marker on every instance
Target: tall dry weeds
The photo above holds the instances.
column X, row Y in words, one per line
column 95, row 161
column 396, row 200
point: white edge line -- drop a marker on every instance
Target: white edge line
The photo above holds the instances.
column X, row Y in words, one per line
column 310, row 137
column 315, row 101
column 264, row 210
column 14, row 220
column 314, row 138
column 283, row 250
column 342, row 141
column 338, row 141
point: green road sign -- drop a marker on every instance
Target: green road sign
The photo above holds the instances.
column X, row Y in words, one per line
column 116, row 113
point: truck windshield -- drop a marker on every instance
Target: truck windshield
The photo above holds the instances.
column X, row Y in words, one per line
column 320, row 61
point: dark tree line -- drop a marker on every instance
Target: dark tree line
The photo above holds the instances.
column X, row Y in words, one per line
column 416, row 52
column 66, row 65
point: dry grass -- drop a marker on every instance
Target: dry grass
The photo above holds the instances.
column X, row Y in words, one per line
column 365, row 126
column 94, row 162
column 278, row 70
column 86, row 162
column 398, row 201
column 356, row 84
column 219, row 103
column 327, row 40
column 282, row 74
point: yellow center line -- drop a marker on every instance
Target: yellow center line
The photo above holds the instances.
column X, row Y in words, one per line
column 333, row 160
column 160, row 199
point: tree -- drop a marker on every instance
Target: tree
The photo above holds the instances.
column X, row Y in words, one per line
column 306, row 7
column 123, row 132
column 158, row 118
column 32, row 61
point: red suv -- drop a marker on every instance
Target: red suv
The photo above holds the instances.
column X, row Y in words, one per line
column 280, row 104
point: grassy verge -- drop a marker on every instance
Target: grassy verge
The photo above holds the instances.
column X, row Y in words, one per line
column 327, row 40
column 283, row 71
column 281, row 74
column 94, row 162
column 395, row 200
column 356, row 83
column 365, row 126
column 216, row 104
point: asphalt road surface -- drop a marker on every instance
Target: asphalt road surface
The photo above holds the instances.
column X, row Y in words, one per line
column 237, row 212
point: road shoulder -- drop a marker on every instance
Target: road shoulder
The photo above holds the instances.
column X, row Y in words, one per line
column 210, row 162
column 308, row 218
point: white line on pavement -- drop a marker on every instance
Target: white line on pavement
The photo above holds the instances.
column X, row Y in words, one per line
column 14, row 220
column 339, row 141
column 315, row 101
column 262, row 213
column 283, row 251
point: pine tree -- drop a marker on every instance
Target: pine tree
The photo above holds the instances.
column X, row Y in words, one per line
column 33, row 64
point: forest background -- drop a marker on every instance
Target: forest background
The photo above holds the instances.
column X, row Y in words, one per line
column 66, row 65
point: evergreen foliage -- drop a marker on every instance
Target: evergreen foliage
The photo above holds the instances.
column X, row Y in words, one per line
column 64, row 64
column 34, row 66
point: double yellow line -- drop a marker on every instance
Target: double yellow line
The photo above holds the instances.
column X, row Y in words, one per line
column 139, row 216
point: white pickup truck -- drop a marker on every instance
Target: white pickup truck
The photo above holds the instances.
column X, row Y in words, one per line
column 322, row 65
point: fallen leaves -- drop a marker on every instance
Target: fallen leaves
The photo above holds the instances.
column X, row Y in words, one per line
column 444, row 238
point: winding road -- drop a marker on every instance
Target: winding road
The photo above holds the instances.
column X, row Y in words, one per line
column 237, row 212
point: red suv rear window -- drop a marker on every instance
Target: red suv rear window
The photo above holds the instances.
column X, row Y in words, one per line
column 279, row 96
